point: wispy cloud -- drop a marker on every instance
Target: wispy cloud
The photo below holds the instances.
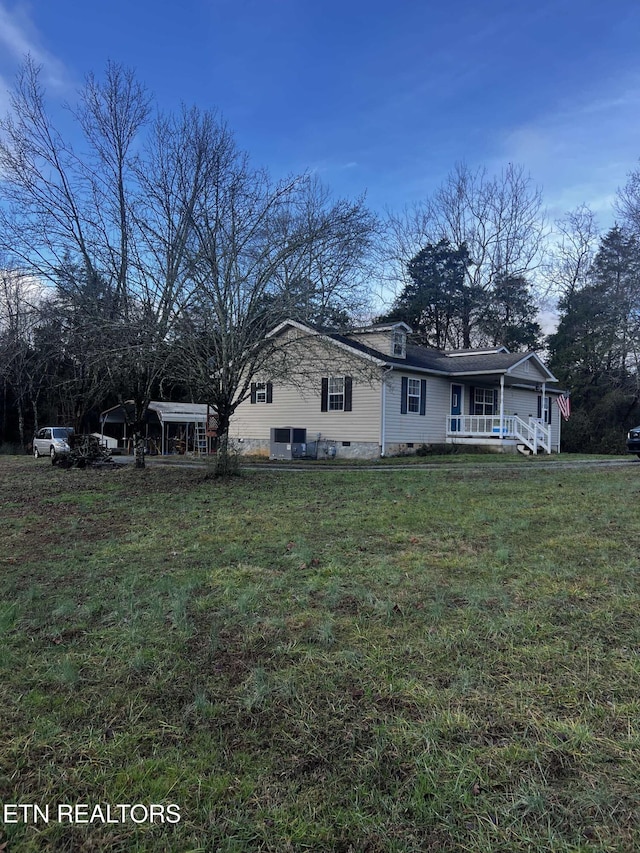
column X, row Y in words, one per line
column 19, row 38
column 582, row 153
column 326, row 167
column 13, row 34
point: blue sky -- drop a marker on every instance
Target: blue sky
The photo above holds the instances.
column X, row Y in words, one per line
column 376, row 97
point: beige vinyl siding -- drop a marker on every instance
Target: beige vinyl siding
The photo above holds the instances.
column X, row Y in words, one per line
column 413, row 427
column 294, row 406
column 556, row 427
column 528, row 370
column 519, row 401
column 380, row 341
column 297, row 400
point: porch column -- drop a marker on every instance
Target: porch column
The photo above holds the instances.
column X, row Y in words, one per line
column 544, row 404
column 383, row 414
column 559, row 430
column 501, row 407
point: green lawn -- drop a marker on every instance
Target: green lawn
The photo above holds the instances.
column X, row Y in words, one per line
column 330, row 660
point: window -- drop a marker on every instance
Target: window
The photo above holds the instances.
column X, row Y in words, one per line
column 484, row 401
column 413, row 396
column 336, row 394
column 544, row 413
column 60, row 432
column 399, row 344
column 261, row 392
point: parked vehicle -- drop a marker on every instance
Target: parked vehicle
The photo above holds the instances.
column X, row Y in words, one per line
column 633, row 441
column 52, row 441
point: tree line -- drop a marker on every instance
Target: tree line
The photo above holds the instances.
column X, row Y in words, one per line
column 148, row 258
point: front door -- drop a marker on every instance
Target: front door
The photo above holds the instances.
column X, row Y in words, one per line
column 456, row 407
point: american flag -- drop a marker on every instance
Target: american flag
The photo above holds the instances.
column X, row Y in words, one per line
column 564, row 404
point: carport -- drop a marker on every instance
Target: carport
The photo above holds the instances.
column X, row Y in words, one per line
column 169, row 427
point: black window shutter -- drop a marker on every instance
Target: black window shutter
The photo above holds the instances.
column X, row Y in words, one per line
column 348, row 393
column 472, row 400
column 496, row 410
column 539, row 405
column 403, row 397
column 324, row 395
column 253, row 392
column 423, row 396
column 269, row 392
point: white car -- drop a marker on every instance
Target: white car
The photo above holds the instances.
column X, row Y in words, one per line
column 52, row 441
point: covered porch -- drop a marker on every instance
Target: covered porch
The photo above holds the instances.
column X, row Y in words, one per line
column 483, row 415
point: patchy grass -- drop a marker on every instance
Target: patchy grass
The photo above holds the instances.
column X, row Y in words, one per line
column 455, row 455
column 331, row 661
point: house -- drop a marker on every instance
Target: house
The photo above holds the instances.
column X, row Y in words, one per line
column 370, row 393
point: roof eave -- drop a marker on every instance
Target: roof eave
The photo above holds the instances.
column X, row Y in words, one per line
column 540, row 362
column 308, row 330
column 409, row 367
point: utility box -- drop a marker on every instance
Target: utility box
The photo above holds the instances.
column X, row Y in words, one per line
column 288, row 443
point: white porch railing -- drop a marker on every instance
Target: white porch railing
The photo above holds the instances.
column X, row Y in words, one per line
column 533, row 433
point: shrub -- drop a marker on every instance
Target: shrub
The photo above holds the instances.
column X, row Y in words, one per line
column 226, row 462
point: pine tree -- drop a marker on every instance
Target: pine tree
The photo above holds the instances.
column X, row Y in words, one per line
column 594, row 351
column 438, row 302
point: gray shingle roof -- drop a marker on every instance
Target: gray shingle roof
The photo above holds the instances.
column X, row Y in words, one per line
column 450, row 363
column 437, row 361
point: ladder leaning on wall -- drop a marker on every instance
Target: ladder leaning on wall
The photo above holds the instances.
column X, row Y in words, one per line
column 200, row 439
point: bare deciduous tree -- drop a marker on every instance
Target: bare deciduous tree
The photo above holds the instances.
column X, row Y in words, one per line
column 266, row 251
column 572, row 254
column 21, row 365
column 68, row 216
column 628, row 202
column 168, row 244
column 499, row 218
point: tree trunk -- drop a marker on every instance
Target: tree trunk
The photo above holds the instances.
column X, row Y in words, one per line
column 21, row 424
column 33, row 399
column 4, row 410
column 138, row 446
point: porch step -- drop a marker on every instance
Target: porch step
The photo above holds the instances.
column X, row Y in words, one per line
column 522, row 448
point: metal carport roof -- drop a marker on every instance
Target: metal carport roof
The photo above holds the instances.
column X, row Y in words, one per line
column 177, row 413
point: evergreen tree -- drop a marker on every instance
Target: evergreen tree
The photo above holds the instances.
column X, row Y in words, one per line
column 437, row 302
column 510, row 316
column 594, row 351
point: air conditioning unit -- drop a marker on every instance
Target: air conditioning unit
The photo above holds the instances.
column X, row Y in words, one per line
column 288, row 443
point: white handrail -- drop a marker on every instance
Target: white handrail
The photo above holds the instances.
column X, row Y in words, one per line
column 532, row 433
